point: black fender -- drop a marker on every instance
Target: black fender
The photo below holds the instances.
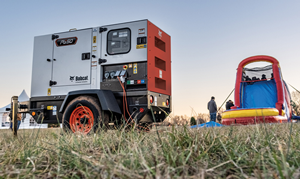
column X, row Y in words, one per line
column 106, row 98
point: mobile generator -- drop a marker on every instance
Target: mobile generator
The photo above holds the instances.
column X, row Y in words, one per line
column 101, row 76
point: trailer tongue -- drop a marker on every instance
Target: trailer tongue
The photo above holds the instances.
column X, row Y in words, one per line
column 102, row 76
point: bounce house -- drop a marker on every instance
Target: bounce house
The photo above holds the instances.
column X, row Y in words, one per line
column 261, row 95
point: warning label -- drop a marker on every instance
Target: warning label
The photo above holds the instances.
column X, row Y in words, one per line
column 49, row 92
column 135, row 68
column 141, row 46
column 142, row 32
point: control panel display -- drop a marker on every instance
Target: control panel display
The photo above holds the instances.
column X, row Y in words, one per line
column 118, row 41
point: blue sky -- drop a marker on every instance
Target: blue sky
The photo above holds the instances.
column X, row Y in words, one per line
column 209, row 39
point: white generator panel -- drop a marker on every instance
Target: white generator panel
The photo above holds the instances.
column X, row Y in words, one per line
column 69, row 61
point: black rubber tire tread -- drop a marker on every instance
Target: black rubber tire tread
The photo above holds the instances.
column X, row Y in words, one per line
column 90, row 102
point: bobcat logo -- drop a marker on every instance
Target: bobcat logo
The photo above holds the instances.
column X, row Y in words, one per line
column 72, row 78
column 79, row 79
column 160, row 34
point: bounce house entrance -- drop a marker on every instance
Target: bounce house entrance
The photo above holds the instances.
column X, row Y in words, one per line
column 258, row 88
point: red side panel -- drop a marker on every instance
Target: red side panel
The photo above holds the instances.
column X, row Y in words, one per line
column 288, row 100
column 159, row 60
column 279, row 88
column 237, row 90
column 254, row 120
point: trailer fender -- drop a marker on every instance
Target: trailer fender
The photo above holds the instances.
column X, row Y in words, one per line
column 107, row 99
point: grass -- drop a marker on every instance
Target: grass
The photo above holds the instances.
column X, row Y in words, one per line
column 258, row 151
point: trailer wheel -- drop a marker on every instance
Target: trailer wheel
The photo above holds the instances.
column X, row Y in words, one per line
column 83, row 114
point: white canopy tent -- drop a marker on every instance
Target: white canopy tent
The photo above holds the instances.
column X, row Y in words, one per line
column 27, row 123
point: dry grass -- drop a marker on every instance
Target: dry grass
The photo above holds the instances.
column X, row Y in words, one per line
column 296, row 102
column 260, row 151
column 185, row 120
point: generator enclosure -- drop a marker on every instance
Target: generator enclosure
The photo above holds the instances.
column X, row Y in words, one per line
column 136, row 53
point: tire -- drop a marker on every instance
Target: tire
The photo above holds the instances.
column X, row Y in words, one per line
column 84, row 115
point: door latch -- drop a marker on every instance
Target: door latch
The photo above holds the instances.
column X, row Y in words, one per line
column 102, row 60
column 51, row 83
column 55, row 37
column 102, row 29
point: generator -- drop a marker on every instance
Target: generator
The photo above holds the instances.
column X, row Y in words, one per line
column 102, row 76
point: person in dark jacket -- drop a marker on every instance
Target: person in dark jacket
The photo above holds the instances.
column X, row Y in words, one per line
column 212, row 107
column 219, row 118
column 229, row 104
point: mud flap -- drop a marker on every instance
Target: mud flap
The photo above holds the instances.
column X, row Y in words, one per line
column 107, row 99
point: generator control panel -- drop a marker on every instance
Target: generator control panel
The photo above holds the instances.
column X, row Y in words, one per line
column 133, row 81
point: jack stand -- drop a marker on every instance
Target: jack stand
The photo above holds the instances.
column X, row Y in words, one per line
column 14, row 115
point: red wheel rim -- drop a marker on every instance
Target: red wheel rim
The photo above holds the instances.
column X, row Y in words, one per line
column 82, row 120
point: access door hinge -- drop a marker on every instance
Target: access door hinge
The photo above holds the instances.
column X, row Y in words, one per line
column 55, row 37
column 102, row 60
column 51, row 83
column 102, row 29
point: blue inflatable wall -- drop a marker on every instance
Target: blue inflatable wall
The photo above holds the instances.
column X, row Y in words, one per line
column 261, row 94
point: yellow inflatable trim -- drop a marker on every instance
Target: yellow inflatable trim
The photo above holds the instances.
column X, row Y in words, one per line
column 251, row 113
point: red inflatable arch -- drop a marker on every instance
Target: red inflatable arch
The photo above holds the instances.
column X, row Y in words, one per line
column 277, row 78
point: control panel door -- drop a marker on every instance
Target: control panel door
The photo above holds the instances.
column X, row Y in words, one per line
column 72, row 58
column 124, row 43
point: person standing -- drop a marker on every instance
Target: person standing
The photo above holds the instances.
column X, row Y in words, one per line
column 212, row 107
column 19, row 118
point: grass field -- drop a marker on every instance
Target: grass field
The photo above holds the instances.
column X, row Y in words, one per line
column 259, row 151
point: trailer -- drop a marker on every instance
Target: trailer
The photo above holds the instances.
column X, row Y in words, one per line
column 101, row 76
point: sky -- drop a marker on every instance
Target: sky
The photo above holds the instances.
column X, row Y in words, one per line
column 209, row 39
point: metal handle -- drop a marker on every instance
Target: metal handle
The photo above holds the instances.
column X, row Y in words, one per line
column 102, row 61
